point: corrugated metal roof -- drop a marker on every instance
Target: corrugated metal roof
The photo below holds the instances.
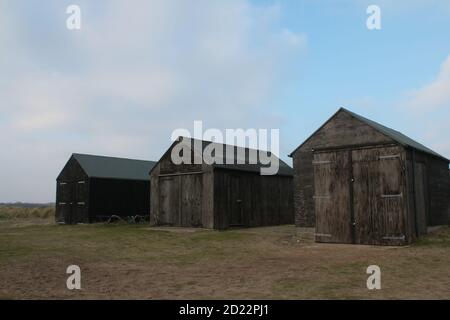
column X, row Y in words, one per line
column 114, row 168
column 396, row 135
column 252, row 160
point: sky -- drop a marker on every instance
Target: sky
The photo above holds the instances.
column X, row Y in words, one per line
column 138, row 70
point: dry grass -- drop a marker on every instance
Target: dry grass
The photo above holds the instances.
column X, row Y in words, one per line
column 138, row 262
column 18, row 216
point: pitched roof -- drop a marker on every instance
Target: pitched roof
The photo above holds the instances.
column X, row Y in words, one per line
column 396, row 135
column 115, row 168
column 391, row 133
column 251, row 159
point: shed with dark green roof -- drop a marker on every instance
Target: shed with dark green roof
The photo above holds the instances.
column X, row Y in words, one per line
column 93, row 188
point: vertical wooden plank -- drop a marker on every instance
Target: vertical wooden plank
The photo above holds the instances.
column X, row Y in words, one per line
column 191, row 199
column 154, row 196
column 420, row 187
column 169, row 201
column 208, row 199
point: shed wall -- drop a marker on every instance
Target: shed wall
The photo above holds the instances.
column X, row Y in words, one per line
column 245, row 199
column 72, row 194
column 439, row 192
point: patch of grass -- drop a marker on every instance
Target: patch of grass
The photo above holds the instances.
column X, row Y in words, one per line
column 136, row 261
column 229, row 235
column 439, row 238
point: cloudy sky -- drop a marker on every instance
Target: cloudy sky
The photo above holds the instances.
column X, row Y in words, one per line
column 137, row 70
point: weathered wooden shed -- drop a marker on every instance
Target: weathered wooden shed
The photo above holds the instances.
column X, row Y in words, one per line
column 92, row 188
column 358, row 181
column 218, row 196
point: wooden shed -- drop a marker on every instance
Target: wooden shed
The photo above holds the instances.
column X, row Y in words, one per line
column 219, row 196
column 93, row 188
column 358, row 181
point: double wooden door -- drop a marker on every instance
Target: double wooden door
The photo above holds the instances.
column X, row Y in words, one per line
column 72, row 206
column 359, row 196
column 180, row 198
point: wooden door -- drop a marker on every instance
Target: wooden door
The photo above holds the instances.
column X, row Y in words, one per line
column 63, row 202
column 169, row 201
column 236, row 214
column 79, row 211
column 191, row 200
column 378, row 195
column 69, row 210
column 332, row 197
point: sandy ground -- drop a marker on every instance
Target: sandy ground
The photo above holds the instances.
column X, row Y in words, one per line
column 138, row 262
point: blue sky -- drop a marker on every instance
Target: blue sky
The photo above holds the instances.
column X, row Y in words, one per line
column 137, row 70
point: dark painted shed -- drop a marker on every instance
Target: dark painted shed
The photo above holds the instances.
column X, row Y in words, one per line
column 92, row 188
column 358, row 181
column 218, row 196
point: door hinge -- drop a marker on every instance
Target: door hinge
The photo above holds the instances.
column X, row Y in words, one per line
column 402, row 237
column 321, row 162
column 389, row 157
column 322, row 235
column 392, row 195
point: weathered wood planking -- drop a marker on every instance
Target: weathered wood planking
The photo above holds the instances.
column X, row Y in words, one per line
column 218, row 197
column 341, row 130
column 250, row 200
column 390, row 191
column 331, row 197
column 379, row 189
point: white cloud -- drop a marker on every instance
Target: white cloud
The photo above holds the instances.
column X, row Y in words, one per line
column 293, row 39
column 40, row 101
column 427, row 111
column 433, row 95
column 131, row 75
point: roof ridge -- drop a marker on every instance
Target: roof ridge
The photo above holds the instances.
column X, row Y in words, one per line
column 246, row 148
column 226, row 144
